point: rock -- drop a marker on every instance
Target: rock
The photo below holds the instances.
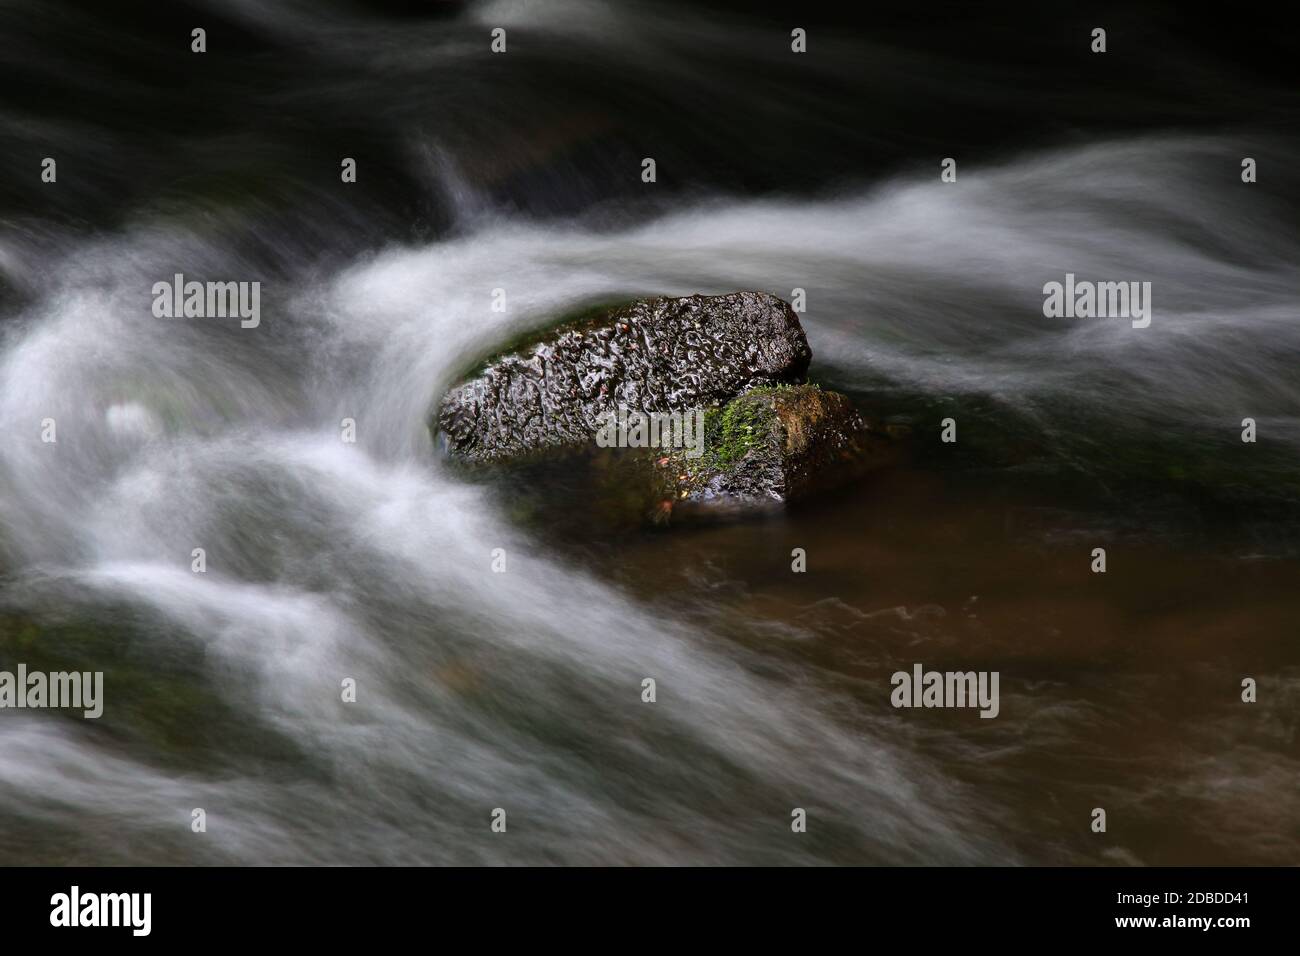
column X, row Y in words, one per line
column 661, row 355
column 771, row 447
column 541, row 416
column 768, row 447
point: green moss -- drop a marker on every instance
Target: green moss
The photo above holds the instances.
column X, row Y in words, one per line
column 732, row 431
column 780, row 388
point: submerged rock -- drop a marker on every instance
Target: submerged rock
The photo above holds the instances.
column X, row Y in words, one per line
column 661, row 355
column 770, row 446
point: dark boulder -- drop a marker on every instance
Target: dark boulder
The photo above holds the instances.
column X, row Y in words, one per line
column 661, row 355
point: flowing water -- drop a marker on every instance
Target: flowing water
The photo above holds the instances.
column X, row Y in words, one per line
column 521, row 690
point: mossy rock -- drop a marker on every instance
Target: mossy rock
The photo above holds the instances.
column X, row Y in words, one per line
column 768, row 447
column 553, row 390
column 537, row 419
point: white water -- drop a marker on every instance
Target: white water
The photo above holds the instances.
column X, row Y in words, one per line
column 521, row 690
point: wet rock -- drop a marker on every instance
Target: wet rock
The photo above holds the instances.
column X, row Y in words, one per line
column 662, row 355
column 768, row 447
column 765, row 450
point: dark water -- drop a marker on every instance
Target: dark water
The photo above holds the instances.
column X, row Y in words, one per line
column 521, row 690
